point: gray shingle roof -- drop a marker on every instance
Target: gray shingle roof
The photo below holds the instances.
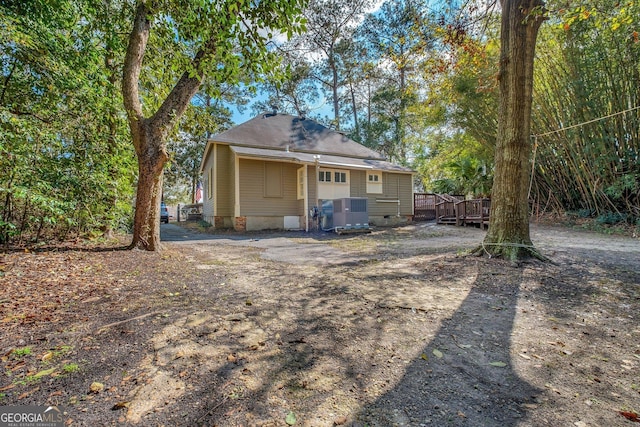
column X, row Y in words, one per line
column 285, row 132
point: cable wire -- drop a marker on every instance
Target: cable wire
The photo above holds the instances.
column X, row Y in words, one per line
column 585, row 123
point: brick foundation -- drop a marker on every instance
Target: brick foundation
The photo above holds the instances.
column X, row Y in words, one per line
column 240, row 223
column 218, row 222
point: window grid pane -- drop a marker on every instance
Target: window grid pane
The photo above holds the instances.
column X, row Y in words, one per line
column 328, row 175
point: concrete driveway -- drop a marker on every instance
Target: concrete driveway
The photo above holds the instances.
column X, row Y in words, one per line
column 295, row 247
column 298, row 247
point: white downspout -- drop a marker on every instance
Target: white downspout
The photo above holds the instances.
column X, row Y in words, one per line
column 398, row 181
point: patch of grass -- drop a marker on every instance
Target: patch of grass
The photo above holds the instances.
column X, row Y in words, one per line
column 39, row 375
column 606, row 224
column 463, row 252
column 61, row 350
column 70, row 368
column 22, row 352
column 355, row 244
column 56, row 353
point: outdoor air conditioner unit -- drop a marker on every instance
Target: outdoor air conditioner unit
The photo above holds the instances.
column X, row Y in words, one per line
column 343, row 215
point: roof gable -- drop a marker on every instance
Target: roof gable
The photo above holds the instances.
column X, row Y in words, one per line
column 289, row 133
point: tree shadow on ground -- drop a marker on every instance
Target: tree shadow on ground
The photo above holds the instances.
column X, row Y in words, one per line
column 335, row 353
column 464, row 376
column 302, row 366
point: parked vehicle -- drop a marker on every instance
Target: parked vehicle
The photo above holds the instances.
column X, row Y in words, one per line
column 164, row 213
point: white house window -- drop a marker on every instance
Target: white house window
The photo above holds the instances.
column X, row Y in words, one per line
column 374, row 182
column 333, row 184
column 332, row 175
column 324, row 176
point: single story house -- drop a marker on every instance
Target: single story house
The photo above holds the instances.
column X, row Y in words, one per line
column 271, row 171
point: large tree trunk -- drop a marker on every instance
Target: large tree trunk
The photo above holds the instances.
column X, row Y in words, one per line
column 149, row 134
column 508, row 234
column 151, row 160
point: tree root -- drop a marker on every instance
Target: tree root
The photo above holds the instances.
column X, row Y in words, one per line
column 400, row 307
column 514, row 252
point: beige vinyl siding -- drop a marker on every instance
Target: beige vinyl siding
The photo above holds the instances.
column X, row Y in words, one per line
column 253, row 189
column 395, row 186
column 406, row 193
column 358, row 187
column 224, row 181
column 390, row 185
column 398, row 186
column 273, row 179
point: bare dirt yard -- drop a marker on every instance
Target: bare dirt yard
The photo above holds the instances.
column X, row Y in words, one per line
column 393, row 328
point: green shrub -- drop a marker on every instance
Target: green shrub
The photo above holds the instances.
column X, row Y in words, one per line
column 611, row 218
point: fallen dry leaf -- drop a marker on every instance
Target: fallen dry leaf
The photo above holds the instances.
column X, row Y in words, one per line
column 7, row 387
column 631, row 416
column 120, row 405
column 96, row 387
column 28, row 393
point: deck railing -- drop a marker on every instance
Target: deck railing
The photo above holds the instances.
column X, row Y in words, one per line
column 451, row 209
column 474, row 211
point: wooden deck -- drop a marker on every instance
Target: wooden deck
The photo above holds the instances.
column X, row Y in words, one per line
column 455, row 210
column 446, row 212
column 474, row 212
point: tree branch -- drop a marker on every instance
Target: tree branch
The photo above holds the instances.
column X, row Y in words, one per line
column 178, row 99
column 27, row 113
column 133, row 62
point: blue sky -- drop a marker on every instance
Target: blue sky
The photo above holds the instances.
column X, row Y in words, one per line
column 325, row 107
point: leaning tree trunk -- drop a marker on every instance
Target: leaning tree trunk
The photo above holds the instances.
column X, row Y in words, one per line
column 150, row 134
column 508, row 234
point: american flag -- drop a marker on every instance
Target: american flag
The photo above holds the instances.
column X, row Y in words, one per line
column 199, row 192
